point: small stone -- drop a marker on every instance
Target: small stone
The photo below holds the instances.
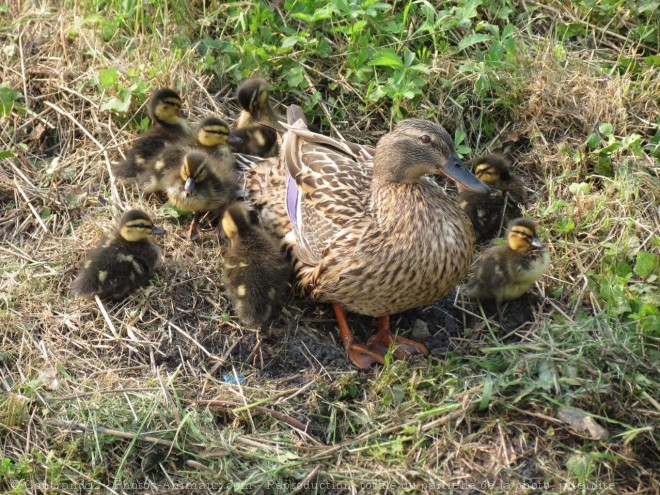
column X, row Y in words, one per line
column 420, row 330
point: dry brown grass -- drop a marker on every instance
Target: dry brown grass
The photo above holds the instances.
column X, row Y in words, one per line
column 108, row 394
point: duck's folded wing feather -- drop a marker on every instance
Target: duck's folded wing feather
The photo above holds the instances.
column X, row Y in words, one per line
column 327, row 188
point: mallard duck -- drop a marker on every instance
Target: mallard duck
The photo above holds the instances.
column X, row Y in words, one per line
column 123, row 261
column 211, row 137
column 256, row 139
column 505, row 272
column 165, row 109
column 257, row 274
column 201, row 184
column 490, row 212
column 374, row 237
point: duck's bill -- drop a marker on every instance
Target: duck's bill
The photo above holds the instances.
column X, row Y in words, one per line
column 189, row 186
column 183, row 113
column 157, row 230
column 536, row 242
column 234, row 139
column 456, row 170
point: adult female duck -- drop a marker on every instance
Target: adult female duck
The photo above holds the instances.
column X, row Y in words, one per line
column 375, row 237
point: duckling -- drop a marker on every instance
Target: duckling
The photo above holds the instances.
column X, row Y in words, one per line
column 170, row 126
column 123, row 261
column 211, row 137
column 257, row 275
column 506, row 271
column 257, row 140
column 491, row 211
column 201, row 184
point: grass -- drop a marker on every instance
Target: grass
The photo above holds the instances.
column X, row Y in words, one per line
column 167, row 390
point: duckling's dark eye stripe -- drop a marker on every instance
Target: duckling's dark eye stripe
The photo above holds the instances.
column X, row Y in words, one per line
column 173, row 101
column 522, row 233
column 217, row 130
column 140, row 224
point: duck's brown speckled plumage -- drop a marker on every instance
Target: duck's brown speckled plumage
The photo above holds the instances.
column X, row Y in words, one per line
column 369, row 232
column 377, row 247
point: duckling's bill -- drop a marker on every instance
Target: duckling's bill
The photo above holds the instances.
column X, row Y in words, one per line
column 456, row 170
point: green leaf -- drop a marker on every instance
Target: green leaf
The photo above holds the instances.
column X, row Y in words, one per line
column 386, row 58
column 169, row 210
column 593, row 140
column 474, row 39
column 606, row 129
column 108, row 77
column 8, row 97
column 6, row 154
column 579, row 189
column 488, row 392
column 646, row 264
column 459, row 136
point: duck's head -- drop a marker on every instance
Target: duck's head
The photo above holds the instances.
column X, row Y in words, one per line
column 521, row 236
column 135, row 225
column 492, row 169
column 237, row 221
column 166, row 107
column 418, row 147
column 213, row 131
column 252, row 96
column 193, row 170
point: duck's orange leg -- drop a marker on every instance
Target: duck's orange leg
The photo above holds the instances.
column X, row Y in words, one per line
column 359, row 354
column 384, row 338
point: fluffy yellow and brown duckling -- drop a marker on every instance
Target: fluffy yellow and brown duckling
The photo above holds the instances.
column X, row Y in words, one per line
column 201, row 184
column 123, row 261
column 256, row 139
column 211, row 136
column 165, row 109
column 376, row 237
column 490, row 212
column 257, row 274
column 506, row 271
column 214, row 137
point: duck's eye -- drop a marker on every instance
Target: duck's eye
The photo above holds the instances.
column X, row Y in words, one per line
column 425, row 139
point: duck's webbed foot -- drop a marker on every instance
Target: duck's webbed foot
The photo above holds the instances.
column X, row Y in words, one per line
column 384, row 338
column 359, row 354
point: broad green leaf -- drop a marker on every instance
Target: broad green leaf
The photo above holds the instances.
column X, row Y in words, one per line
column 606, row 129
column 8, row 97
column 474, row 39
column 646, row 264
column 108, row 77
column 593, row 140
column 116, row 104
column 387, row 58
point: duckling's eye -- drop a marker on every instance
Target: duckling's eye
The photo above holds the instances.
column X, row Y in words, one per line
column 425, row 139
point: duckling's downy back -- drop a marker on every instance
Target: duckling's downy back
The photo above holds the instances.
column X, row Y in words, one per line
column 257, row 274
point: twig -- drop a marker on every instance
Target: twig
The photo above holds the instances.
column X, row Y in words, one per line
column 75, row 427
column 106, row 316
column 312, row 474
column 285, row 418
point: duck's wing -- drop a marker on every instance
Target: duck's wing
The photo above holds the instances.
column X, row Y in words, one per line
column 328, row 184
